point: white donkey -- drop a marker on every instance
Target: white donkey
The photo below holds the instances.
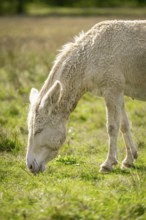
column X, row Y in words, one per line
column 109, row 61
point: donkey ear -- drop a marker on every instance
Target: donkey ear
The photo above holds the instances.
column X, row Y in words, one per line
column 33, row 95
column 53, row 95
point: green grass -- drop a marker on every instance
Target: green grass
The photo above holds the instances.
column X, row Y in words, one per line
column 71, row 188
column 33, row 9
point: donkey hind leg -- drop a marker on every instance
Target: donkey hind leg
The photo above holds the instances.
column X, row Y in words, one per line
column 113, row 102
column 131, row 152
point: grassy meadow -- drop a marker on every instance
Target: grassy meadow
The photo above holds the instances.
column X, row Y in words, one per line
column 71, row 188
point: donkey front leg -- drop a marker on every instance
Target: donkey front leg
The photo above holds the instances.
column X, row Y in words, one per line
column 131, row 152
column 113, row 102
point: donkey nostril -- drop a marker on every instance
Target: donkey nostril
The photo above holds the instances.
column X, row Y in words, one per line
column 35, row 168
column 30, row 167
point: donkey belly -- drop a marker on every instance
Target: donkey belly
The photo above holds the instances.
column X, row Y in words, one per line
column 136, row 93
column 135, row 73
column 136, row 88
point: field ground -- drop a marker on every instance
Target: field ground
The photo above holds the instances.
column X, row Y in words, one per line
column 71, row 188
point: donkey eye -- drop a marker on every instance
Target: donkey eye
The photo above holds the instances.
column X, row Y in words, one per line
column 38, row 132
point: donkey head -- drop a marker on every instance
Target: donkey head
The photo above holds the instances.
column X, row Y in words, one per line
column 46, row 128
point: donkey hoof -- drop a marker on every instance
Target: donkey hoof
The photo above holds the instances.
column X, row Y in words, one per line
column 126, row 165
column 105, row 169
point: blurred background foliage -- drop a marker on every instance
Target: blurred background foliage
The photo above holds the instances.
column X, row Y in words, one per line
column 22, row 6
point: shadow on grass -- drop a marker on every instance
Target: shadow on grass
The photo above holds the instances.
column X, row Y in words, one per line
column 73, row 169
column 75, row 172
column 139, row 168
column 129, row 170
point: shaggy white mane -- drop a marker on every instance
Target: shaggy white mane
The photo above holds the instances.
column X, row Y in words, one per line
column 64, row 52
column 69, row 46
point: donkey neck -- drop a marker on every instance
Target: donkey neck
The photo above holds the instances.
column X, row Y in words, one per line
column 71, row 76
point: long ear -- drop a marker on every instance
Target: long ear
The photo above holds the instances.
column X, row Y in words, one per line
column 33, row 95
column 52, row 96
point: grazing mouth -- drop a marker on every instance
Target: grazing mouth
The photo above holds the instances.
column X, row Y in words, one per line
column 35, row 168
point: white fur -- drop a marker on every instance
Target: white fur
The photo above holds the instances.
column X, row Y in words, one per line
column 109, row 61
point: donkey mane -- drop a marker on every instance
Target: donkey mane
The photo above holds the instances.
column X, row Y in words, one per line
column 64, row 53
column 67, row 48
